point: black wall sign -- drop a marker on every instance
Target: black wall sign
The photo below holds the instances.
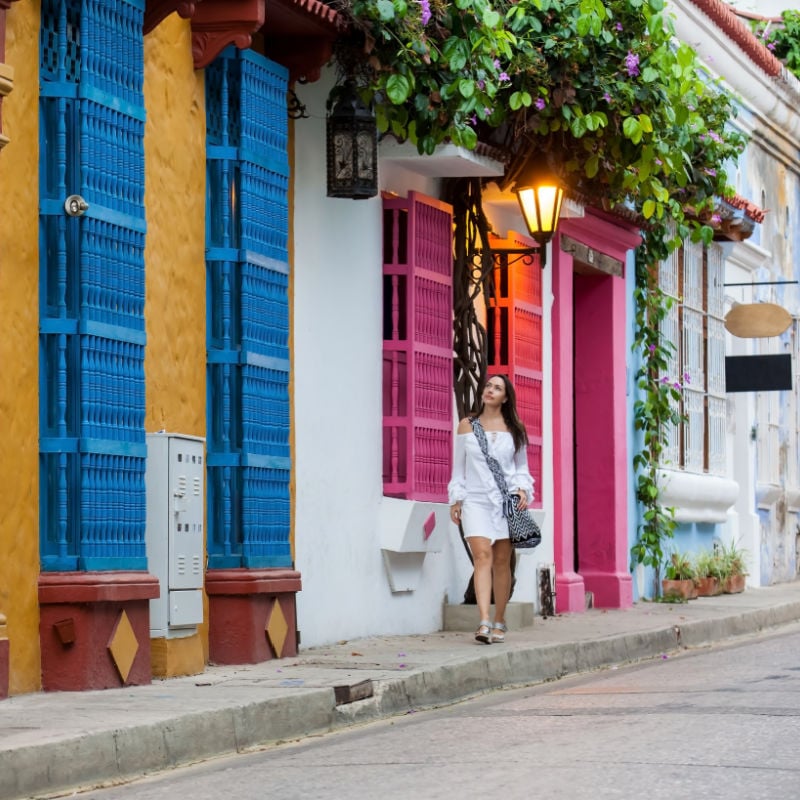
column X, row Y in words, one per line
column 758, row 373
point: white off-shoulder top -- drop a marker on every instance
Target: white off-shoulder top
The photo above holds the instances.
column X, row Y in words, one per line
column 472, row 477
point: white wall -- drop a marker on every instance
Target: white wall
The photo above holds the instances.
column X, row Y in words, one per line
column 337, row 372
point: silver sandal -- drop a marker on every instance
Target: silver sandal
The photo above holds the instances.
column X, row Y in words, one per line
column 499, row 638
column 483, row 634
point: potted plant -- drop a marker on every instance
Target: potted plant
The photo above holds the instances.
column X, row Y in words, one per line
column 678, row 582
column 710, row 573
column 735, row 568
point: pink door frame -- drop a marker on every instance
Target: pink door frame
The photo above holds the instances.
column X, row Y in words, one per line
column 589, row 327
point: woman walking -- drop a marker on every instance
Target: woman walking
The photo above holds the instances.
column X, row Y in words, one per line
column 477, row 504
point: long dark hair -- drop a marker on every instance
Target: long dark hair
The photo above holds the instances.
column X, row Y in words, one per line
column 509, row 411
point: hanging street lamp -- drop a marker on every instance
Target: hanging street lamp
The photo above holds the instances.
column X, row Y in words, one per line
column 352, row 147
column 540, row 197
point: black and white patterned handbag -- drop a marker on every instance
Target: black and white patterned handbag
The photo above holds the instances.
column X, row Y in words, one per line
column 523, row 531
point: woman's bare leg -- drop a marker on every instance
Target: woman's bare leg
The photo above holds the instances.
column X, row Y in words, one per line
column 481, row 549
column 501, row 574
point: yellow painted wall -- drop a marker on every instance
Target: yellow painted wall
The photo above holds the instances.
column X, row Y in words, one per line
column 175, row 307
column 175, row 297
column 19, row 359
column 175, row 294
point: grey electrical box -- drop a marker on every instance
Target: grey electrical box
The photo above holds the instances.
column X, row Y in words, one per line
column 175, row 482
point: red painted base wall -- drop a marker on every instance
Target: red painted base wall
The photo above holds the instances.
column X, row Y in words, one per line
column 241, row 603
column 78, row 616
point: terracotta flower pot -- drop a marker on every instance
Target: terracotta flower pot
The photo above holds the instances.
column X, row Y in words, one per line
column 734, row 584
column 708, row 587
column 674, row 588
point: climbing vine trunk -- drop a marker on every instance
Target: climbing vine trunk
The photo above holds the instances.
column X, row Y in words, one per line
column 472, row 276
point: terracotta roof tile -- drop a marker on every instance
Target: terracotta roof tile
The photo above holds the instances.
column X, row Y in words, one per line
column 725, row 18
column 751, row 210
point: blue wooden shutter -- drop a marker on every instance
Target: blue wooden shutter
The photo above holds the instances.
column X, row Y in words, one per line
column 92, row 444
column 248, row 312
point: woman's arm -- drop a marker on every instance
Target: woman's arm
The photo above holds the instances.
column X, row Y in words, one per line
column 457, row 488
column 522, row 481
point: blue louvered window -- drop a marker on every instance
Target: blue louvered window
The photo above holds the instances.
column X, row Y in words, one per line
column 92, row 337
column 248, row 312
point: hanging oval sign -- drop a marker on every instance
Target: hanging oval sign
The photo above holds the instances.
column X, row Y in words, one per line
column 757, row 320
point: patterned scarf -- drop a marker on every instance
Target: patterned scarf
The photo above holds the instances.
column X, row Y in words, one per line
column 494, row 467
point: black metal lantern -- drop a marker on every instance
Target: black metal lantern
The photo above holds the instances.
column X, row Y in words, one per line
column 352, row 147
column 540, row 196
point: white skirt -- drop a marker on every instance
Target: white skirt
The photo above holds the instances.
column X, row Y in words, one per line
column 478, row 519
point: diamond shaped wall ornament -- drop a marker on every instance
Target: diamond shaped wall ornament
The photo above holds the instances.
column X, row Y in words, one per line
column 277, row 629
column 123, row 646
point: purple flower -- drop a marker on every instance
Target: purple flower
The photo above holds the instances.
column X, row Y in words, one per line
column 632, row 64
column 540, row 103
column 496, row 63
column 665, row 380
column 618, row 26
column 676, row 385
column 487, row 112
column 652, row 348
column 687, row 378
column 503, row 76
column 710, row 171
column 607, row 97
column 716, row 219
column 473, row 120
column 481, row 85
column 771, row 46
column 426, row 11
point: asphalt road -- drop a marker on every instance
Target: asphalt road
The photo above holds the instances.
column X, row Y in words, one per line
column 722, row 722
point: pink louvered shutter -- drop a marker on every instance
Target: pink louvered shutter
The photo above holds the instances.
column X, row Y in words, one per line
column 514, row 328
column 417, row 347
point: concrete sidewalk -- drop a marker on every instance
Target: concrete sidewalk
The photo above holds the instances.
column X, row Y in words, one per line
column 64, row 740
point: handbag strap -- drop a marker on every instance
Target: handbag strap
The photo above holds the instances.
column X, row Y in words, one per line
column 494, row 466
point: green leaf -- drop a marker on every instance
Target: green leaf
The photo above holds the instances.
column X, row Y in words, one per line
column 398, row 88
column 491, row 19
column 466, row 87
column 592, row 166
column 466, row 137
column 385, row 10
column 578, row 126
column 648, row 209
column 632, row 129
column 456, row 51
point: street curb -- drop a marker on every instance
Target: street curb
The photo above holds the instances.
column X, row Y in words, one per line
column 500, row 669
column 127, row 753
column 124, row 754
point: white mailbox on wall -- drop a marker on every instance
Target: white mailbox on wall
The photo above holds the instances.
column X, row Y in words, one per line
column 175, row 480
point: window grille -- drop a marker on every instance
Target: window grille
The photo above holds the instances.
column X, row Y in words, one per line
column 248, row 312
column 514, row 328
column 669, row 280
column 417, row 348
column 92, row 401
column 692, row 278
column 768, row 438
